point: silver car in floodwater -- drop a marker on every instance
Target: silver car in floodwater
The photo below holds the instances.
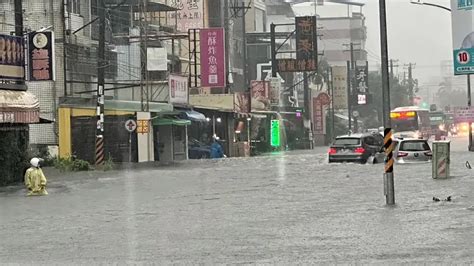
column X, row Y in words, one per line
column 412, row 151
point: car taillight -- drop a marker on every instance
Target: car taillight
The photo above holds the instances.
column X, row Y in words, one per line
column 332, row 151
column 428, row 153
column 402, row 154
column 359, row 150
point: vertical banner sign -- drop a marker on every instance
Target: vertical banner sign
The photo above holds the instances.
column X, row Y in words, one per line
column 41, row 56
column 339, row 81
column 463, row 36
column 189, row 15
column 260, row 95
column 306, row 38
column 275, row 88
column 12, row 57
column 275, row 133
column 178, row 89
column 212, row 57
column 318, row 127
column 318, row 112
column 361, row 80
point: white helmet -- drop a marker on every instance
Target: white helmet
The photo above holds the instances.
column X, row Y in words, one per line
column 35, row 162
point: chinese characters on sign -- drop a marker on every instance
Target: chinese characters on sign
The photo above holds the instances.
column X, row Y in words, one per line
column 295, row 65
column 360, row 86
column 189, row 16
column 178, row 89
column 361, row 80
column 7, row 117
column 212, row 57
column 260, row 100
column 318, row 112
column 143, row 126
column 41, row 56
column 12, row 57
column 339, row 81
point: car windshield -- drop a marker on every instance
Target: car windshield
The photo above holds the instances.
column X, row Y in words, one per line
column 347, row 141
column 414, row 145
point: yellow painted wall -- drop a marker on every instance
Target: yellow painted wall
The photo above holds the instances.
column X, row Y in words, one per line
column 64, row 132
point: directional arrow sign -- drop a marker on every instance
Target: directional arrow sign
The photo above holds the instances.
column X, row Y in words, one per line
column 130, row 125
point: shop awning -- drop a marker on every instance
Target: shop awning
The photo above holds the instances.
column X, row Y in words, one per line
column 18, row 107
column 171, row 122
column 195, row 116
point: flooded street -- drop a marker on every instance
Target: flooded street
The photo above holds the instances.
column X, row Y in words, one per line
column 281, row 208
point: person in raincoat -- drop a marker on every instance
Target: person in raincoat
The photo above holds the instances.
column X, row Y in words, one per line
column 35, row 181
column 216, row 150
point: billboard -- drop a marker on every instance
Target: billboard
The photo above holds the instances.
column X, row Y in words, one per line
column 189, row 16
column 178, row 89
column 260, row 97
column 12, row 57
column 339, row 83
column 212, row 57
column 463, row 36
column 41, row 56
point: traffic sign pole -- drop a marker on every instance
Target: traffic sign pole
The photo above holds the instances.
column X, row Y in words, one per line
column 130, row 126
column 389, row 187
column 130, row 147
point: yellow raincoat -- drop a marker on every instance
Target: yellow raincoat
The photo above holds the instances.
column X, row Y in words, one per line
column 35, row 182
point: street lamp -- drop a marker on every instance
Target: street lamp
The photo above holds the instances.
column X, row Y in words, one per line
column 419, row 2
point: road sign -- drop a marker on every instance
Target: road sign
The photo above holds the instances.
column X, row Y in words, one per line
column 130, row 125
column 463, row 36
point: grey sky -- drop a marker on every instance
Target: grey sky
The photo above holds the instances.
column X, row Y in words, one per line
column 417, row 34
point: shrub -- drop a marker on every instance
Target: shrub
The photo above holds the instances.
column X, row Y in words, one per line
column 68, row 164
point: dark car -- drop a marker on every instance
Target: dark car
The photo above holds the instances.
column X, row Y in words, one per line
column 357, row 148
column 198, row 150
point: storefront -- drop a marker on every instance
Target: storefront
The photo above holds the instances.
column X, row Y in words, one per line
column 18, row 109
column 171, row 139
column 77, row 129
column 218, row 110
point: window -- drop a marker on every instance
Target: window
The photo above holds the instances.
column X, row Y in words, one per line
column 414, row 146
column 74, row 6
column 347, row 141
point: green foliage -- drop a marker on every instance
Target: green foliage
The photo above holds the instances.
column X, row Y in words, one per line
column 71, row 164
column 13, row 154
column 109, row 164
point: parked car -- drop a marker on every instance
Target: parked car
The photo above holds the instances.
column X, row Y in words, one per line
column 357, row 148
column 198, row 150
column 412, row 151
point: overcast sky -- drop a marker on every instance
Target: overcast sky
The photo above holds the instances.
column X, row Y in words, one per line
column 417, row 34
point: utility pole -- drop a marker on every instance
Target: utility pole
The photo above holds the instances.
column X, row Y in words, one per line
column 144, row 84
column 469, row 103
column 101, row 64
column 410, row 83
column 392, row 74
column 19, row 25
column 389, row 185
column 350, row 84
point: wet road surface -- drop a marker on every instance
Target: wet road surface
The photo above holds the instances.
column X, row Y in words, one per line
column 289, row 208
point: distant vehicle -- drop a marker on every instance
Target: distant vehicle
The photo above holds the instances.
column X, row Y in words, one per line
column 198, row 150
column 439, row 125
column 412, row 151
column 357, row 148
column 411, row 121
